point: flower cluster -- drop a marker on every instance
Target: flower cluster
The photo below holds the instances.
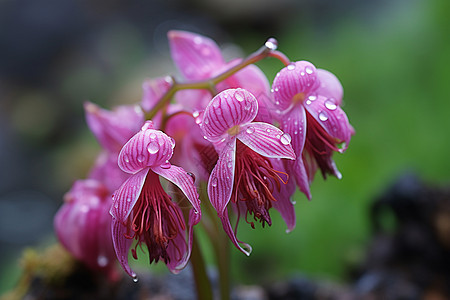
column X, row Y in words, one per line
column 222, row 129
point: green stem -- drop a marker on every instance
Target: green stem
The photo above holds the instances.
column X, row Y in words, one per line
column 202, row 282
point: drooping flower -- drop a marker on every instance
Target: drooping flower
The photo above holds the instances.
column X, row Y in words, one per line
column 245, row 173
column 198, row 57
column 308, row 105
column 83, row 225
column 143, row 211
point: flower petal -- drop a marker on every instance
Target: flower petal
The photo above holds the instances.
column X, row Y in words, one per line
column 126, row 196
column 220, row 183
column 301, row 176
column 121, row 245
column 293, row 83
column 247, row 249
column 267, row 140
column 196, row 56
column 229, row 108
column 147, row 148
column 153, row 90
column 183, row 181
column 113, row 128
column 330, row 86
column 294, row 123
column 332, row 118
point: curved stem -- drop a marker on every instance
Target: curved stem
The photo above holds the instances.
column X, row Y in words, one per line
column 202, row 282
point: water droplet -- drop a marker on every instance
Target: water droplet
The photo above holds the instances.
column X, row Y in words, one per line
column 295, row 132
column 312, row 97
column 271, row 44
column 102, row 261
column 302, row 73
column 140, row 158
column 216, row 103
column 309, row 70
column 153, row 148
column 291, row 67
column 268, row 130
column 308, row 102
column 116, row 205
column 192, row 176
column 230, row 164
column 278, row 136
column 293, row 201
column 214, row 182
column 330, row 104
column 205, row 137
column 172, row 141
column 129, row 199
column 271, row 90
column 323, row 116
column 285, row 139
column 250, row 129
column 168, row 79
column 277, row 102
column 206, row 121
column 239, row 97
column 147, row 125
column 126, row 159
column 153, row 135
column 135, row 279
column 161, row 141
column 195, row 114
column 166, row 165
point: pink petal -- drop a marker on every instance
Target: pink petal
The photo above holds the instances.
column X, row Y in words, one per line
column 294, row 123
column 267, row 140
column 284, row 203
column 154, row 90
column 107, row 171
column 293, row 83
column 183, row 181
column 121, row 245
column 330, row 86
column 193, row 100
column 148, row 148
column 301, row 176
column 113, row 128
column 126, row 196
column 247, row 249
column 196, row 56
column 229, row 108
column 332, row 118
column 220, row 183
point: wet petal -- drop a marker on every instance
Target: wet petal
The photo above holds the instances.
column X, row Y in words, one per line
column 148, row 147
column 113, row 128
column 126, row 196
column 245, row 248
column 228, row 109
column 196, row 56
column 267, row 140
column 183, row 181
column 294, row 123
column 220, row 183
column 153, row 90
column 300, row 174
column 330, row 86
column 121, row 245
column 332, row 118
column 293, row 83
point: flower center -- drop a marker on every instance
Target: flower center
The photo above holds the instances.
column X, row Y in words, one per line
column 254, row 182
column 233, row 130
column 298, row 98
column 155, row 221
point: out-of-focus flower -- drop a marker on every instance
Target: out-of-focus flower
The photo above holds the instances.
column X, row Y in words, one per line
column 244, row 172
column 142, row 210
column 83, row 225
column 198, row 57
column 308, row 106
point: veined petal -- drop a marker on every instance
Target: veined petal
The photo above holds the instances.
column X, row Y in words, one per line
column 294, row 123
column 126, row 196
column 301, row 176
column 153, row 90
column 247, row 249
column 293, row 83
column 113, row 128
column 267, row 140
column 121, row 245
column 147, row 148
column 220, row 183
column 228, row 109
column 332, row 118
column 196, row 56
column 183, row 181
column 330, row 86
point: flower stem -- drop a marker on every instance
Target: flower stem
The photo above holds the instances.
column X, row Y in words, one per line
column 202, row 282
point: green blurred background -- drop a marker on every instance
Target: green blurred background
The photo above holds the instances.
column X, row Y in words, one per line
column 392, row 57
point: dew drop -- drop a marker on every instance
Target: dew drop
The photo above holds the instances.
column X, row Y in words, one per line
column 293, row 201
column 251, row 129
column 323, row 116
column 166, row 165
column 302, row 73
column 278, row 136
column 308, row 102
column 206, row 121
column 135, row 279
column 239, row 97
column 230, row 164
column 195, row 114
column 268, row 130
column 153, row 135
column 153, row 148
column 192, row 176
column 216, row 103
column 147, row 125
column 102, row 261
column 214, row 182
column 129, row 199
column 308, row 70
column 291, row 67
column 277, row 89
column 271, row 44
column 312, row 97
column 116, row 205
column 140, row 158
column 126, row 159
column 330, row 104
column 285, row 139
column 277, row 102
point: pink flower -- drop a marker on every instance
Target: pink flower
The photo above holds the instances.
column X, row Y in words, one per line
column 198, row 58
column 308, row 104
column 83, row 225
column 245, row 172
column 142, row 210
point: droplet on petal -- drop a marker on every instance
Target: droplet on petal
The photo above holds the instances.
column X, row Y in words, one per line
column 135, row 279
column 312, row 97
column 323, row 116
column 285, row 139
column 271, row 44
column 330, row 104
column 291, row 67
column 309, row 70
column 214, row 182
column 140, row 158
column 153, row 148
column 250, row 129
column 239, row 97
column 153, row 136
